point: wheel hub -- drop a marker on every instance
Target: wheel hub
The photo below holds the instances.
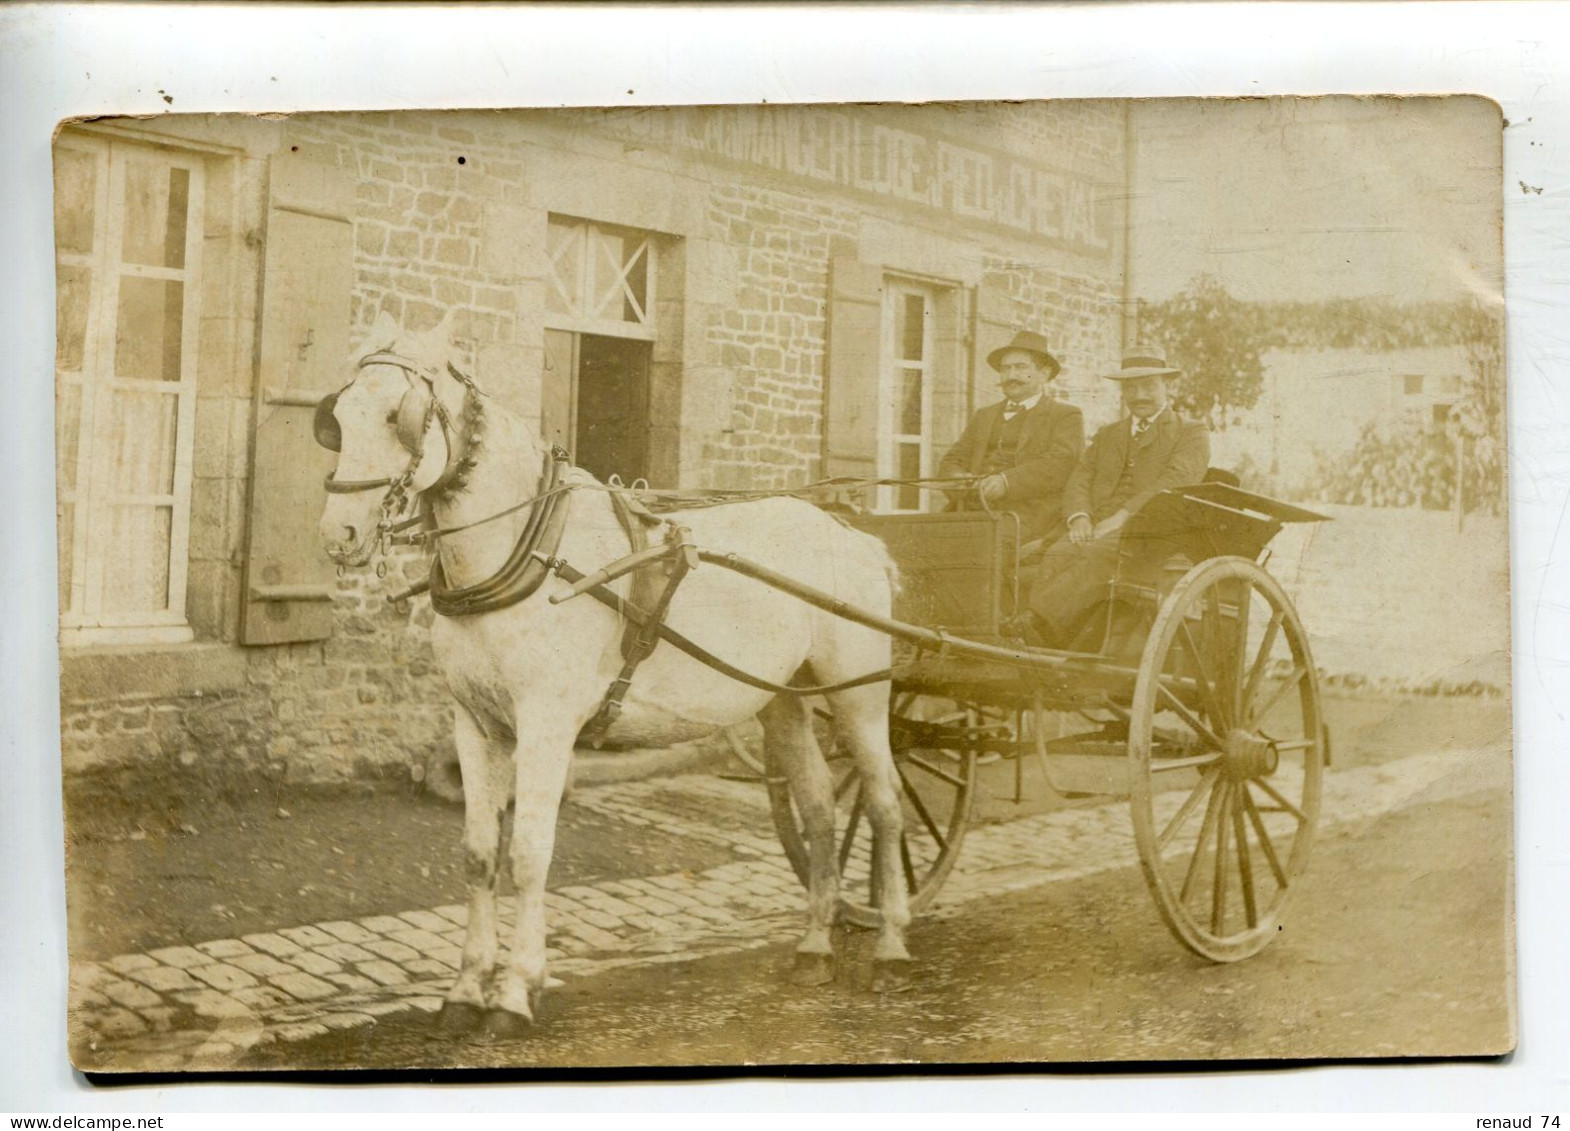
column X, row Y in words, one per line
column 1249, row 755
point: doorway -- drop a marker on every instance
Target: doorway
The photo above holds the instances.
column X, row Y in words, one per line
column 596, row 402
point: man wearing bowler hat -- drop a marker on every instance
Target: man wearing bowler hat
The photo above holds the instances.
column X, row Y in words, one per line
column 1149, row 450
column 1022, row 448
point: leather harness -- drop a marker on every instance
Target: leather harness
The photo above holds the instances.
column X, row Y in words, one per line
column 533, row 556
column 521, row 574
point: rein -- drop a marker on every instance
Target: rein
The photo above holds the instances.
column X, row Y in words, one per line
column 681, row 500
column 419, row 537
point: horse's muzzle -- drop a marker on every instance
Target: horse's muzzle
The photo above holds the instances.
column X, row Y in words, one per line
column 346, row 546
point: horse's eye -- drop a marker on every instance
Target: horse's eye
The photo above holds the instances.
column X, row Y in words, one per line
column 392, row 417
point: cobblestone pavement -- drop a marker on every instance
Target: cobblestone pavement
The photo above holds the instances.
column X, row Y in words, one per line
column 203, row 1006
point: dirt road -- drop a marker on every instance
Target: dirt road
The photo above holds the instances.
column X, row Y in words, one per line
column 1385, row 957
column 672, row 913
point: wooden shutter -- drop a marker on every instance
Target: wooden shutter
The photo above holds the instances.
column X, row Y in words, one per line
column 307, row 279
column 994, row 321
column 558, row 389
column 850, row 397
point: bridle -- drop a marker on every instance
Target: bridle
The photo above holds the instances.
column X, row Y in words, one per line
column 418, row 407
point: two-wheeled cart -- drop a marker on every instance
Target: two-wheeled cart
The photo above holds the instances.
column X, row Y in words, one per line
column 1191, row 693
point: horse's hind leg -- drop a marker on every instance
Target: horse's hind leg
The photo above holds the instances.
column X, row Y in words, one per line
column 861, row 723
column 484, row 810
column 789, row 742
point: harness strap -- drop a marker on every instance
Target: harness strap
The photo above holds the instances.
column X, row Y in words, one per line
column 625, row 608
column 354, row 486
column 638, row 646
column 645, row 582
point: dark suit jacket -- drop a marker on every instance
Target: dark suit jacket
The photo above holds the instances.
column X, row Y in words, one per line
column 1173, row 453
column 1049, row 445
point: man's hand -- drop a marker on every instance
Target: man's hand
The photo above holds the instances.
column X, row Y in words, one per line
column 1111, row 524
column 1080, row 529
column 993, row 488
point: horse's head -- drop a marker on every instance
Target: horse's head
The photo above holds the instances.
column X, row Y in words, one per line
column 394, row 435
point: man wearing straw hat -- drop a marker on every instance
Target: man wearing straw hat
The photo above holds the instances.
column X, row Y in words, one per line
column 1021, row 449
column 1149, row 450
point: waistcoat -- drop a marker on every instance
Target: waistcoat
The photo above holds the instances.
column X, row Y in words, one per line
column 1138, row 454
column 1003, row 445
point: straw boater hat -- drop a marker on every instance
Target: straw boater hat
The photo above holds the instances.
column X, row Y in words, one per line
column 1142, row 361
column 1030, row 342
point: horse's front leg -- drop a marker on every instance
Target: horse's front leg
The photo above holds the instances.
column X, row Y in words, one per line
column 542, row 759
column 484, row 809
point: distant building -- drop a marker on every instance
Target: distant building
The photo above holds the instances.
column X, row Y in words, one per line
column 1314, row 405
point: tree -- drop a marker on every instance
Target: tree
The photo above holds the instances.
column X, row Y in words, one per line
column 1216, row 340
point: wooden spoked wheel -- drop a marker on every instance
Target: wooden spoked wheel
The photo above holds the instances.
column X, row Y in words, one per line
column 1227, row 754
column 936, row 764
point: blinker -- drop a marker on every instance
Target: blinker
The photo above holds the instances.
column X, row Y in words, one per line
column 414, row 414
column 411, row 420
column 325, row 424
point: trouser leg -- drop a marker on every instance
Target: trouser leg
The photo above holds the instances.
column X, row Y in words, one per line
column 1069, row 582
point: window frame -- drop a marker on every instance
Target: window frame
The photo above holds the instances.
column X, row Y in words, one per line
column 891, row 372
column 83, row 619
column 590, row 295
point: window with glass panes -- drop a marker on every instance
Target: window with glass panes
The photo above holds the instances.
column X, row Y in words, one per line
column 905, row 394
column 601, row 279
column 128, row 237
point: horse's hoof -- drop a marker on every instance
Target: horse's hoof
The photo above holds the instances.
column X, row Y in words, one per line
column 505, row 1025
column 812, row 969
column 460, row 1016
column 891, row 975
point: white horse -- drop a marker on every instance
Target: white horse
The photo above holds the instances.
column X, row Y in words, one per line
column 525, row 679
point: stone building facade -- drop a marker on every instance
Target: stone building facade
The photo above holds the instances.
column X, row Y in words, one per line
column 726, row 297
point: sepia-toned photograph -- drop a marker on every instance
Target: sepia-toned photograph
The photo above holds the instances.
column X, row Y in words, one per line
column 711, row 587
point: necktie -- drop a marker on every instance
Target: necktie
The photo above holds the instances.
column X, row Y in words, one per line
column 1010, row 408
column 1141, row 426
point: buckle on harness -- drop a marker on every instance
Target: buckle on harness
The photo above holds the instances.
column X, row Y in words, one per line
column 682, row 553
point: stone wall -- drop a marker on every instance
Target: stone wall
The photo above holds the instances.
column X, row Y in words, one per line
column 771, row 340
column 449, row 215
column 1079, row 315
column 422, row 185
column 366, row 700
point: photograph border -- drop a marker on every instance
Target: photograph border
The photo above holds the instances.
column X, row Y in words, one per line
column 268, row 60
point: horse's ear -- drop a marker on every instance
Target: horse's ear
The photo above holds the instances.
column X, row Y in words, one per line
column 382, row 334
column 443, row 331
column 387, row 327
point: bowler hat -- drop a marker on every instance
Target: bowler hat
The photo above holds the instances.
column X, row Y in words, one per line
column 1142, row 361
column 1030, row 342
